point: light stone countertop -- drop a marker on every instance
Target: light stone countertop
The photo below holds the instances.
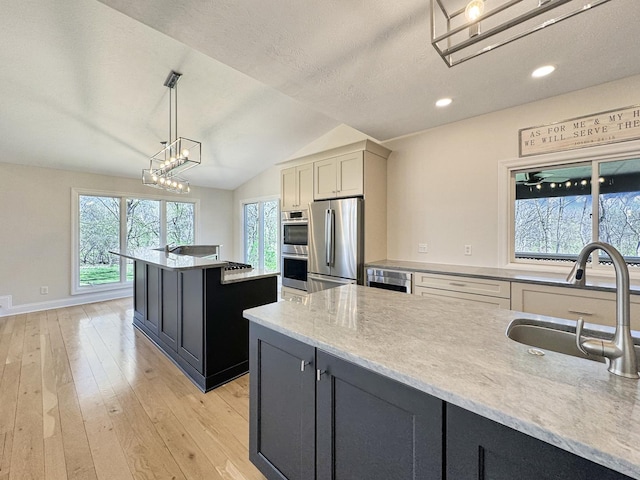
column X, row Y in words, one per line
column 171, row 261
column 508, row 274
column 461, row 354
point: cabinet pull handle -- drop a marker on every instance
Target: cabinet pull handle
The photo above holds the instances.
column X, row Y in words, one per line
column 319, row 374
column 578, row 312
column 458, row 284
column 303, row 364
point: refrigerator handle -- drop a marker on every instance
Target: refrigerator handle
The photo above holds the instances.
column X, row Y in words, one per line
column 328, row 231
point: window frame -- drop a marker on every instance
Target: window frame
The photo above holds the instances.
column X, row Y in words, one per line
column 243, row 236
column 76, row 288
column 506, row 199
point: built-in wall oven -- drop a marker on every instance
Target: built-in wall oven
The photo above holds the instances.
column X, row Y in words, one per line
column 295, row 235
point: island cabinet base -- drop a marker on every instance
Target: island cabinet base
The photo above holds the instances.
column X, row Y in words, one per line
column 313, row 415
column 478, row 448
column 196, row 320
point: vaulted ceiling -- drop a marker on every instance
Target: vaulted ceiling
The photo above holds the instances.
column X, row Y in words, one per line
column 82, row 80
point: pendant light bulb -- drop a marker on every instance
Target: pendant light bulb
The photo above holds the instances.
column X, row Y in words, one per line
column 475, row 8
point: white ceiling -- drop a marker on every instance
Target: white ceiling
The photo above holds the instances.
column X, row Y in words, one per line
column 82, row 83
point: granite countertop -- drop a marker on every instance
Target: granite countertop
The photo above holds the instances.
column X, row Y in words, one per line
column 171, row 261
column 461, row 354
column 508, row 274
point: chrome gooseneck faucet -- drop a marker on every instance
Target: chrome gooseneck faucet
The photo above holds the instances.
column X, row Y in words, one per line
column 620, row 351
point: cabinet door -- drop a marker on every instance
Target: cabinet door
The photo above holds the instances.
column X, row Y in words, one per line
column 191, row 318
column 168, row 328
column 139, row 292
column 154, row 299
column 324, row 179
column 369, row 426
column 282, row 405
column 478, row 449
column 304, row 176
column 288, row 188
column 350, row 175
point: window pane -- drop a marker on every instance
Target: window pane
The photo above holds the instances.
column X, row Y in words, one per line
column 271, row 225
column 252, row 234
column 99, row 232
column 180, row 220
column 619, row 208
column 553, row 212
column 143, row 227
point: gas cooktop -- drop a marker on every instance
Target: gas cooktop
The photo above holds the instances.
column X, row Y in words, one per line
column 238, row 267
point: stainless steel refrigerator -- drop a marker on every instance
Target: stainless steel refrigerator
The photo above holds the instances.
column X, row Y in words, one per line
column 336, row 243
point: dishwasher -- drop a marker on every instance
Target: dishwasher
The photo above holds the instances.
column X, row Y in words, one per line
column 395, row 280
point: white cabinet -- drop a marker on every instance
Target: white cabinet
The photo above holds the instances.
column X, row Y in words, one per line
column 341, row 176
column 469, row 290
column 296, row 187
column 593, row 306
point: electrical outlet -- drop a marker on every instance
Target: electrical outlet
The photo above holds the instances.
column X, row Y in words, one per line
column 422, row 248
column 467, row 249
column 44, row 290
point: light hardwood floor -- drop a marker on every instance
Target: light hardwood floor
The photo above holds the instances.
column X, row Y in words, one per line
column 84, row 395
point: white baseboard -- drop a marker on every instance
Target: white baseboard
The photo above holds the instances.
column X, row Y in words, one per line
column 65, row 302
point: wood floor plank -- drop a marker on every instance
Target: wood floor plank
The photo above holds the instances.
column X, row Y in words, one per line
column 5, row 458
column 236, row 394
column 27, row 455
column 54, row 462
column 9, row 388
column 17, row 340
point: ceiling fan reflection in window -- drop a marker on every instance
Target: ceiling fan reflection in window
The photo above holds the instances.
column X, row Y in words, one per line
column 531, row 179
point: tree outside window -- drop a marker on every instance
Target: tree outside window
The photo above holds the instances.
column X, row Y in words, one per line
column 261, row 226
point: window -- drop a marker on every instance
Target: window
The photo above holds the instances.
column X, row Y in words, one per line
column 260, row 232
column 559, row 209
column 107, row 222
column 99, row 232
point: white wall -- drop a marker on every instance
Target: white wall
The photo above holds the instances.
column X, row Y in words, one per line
column 35, row 218
column 442, row 184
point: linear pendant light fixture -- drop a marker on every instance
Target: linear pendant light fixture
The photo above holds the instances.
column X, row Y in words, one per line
column 459, row 34
column 177, row 155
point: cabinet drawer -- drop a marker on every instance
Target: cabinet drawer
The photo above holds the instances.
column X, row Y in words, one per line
column 478, row 286
column 571, row 303
column 468, row 298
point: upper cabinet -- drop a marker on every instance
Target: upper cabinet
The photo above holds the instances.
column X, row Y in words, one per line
column 355, row 170
column 296, row 187
column 341, row 176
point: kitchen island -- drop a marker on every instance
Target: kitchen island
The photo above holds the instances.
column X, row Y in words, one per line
column 191, row 308
column 399, row 386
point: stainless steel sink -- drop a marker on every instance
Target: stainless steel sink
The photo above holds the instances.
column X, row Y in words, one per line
column 560, row 335
column 205, row 251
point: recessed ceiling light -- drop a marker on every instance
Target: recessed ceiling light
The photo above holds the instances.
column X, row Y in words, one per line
column 543, row 71
column 443, row 102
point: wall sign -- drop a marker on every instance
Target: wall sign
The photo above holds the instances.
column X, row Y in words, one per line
column 606, row 127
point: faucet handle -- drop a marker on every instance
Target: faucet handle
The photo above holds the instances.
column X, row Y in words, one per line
column 579, row 327
column 570, row 277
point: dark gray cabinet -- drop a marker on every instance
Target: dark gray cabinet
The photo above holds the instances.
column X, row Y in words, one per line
column 282, row 404
column 316, row 416
column 168, row 327
column 196, row 319
column 191, row 307
column 369, row 426
column 478, row 448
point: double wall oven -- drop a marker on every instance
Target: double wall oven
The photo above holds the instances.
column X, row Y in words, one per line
column 295, row 234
